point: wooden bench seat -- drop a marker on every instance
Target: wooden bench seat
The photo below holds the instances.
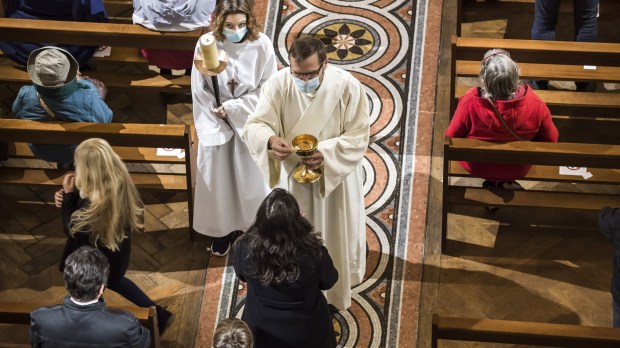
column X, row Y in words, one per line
column 552, row 173
column 134, row 143
column 53, row 177
column 545, row 60
column 95, row 34
column 520, row 332
column 603, row 161
column 19, row 313
column 118, row 55
column 548, row 72
column 151, row 81
column 568, row 98
column 128, row 154
column 125, row 40
column 119, row 11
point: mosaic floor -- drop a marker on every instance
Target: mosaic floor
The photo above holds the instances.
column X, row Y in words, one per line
column 384, row 44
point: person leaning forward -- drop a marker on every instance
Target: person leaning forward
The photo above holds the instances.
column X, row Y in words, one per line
column 59, row 93
column 314, row 97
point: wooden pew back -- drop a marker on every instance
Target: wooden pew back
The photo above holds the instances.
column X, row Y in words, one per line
column 604, row 157
column 19, row 313
column 520, row 332
column 546, row 60
column 133, row 143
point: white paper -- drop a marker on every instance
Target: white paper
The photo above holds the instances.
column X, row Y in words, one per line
column 179, row 153
column 103, row 51
column 589, row 67
column 578, row 171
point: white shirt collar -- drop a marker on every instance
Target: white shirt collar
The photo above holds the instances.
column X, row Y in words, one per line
column 83, row 303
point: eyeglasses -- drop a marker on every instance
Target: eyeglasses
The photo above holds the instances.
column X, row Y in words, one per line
column 308, row 75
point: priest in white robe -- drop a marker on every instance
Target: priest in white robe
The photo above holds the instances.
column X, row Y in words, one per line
column 229, row 189
column 314, row 97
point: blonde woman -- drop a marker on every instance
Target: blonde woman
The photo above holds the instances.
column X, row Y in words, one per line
column 102, row 208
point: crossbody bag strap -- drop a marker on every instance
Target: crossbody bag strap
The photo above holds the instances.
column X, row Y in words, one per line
column 45, row 107
column 501, row 118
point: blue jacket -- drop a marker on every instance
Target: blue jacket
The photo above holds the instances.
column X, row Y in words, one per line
column 58, row 10
column 83, row 105
column 609, row 223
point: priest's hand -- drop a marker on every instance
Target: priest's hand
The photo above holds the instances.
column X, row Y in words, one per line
column 314, row 161
column 280, row 148
column 219, row 112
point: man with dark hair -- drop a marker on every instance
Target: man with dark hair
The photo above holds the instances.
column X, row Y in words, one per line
column 83, row 320
column 316, row 98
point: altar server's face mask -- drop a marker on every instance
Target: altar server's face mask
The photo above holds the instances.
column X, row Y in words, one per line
column 308, row 82
column 235, row 27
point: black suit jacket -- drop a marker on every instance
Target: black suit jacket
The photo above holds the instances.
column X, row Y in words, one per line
column 70, row 325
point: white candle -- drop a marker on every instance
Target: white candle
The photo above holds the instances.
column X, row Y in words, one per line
column 209, row 51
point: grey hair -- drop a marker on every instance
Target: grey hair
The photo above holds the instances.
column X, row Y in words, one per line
column 232, row 333
column 499, row 75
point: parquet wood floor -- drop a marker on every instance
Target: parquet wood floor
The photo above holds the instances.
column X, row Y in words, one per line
column 535, row 265
column 164, row 263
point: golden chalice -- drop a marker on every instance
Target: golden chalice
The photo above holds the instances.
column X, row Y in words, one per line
column 305, row 145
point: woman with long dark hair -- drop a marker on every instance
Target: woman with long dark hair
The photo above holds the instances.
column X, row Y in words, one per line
column 286, row 267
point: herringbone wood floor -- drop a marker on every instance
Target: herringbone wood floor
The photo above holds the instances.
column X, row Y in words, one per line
column 164, row 263
column 536, row 265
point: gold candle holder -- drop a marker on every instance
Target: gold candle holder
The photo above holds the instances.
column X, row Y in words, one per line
column 305, row 145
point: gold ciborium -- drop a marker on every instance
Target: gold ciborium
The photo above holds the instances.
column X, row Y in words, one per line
column 305, row 145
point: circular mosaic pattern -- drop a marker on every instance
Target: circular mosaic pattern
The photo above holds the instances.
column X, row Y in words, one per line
column 347, row 42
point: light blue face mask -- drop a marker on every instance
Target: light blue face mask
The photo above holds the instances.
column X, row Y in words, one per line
column 307, row 86
column 234, row 35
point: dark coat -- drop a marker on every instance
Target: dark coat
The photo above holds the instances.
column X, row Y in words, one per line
column 609, row 223
column 290, row 314
column 119, row 260
column 71, row 325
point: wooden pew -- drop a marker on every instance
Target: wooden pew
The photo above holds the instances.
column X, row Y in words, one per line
column 520, row 332
column 133, row 142
column 125, row 39
column 556, row 60
column 19, row 313
column 151, row 81
column 602, row 160
column 119, row 11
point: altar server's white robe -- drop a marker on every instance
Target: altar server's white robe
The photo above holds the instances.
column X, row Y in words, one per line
column 337, row 114
column 229, row 187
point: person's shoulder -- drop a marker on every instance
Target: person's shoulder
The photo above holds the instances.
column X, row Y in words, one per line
column 46, row 310
column 264, row 42
column 531, row 96
column 263, row 39
column 471, row 95
column 28, row 91
column 120, row 315
column 280, row 80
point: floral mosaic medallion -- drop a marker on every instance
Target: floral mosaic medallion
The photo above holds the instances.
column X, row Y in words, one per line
column 380, row 43
column 346, row 41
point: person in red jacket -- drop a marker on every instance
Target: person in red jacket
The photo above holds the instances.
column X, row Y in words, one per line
column 525, row 116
